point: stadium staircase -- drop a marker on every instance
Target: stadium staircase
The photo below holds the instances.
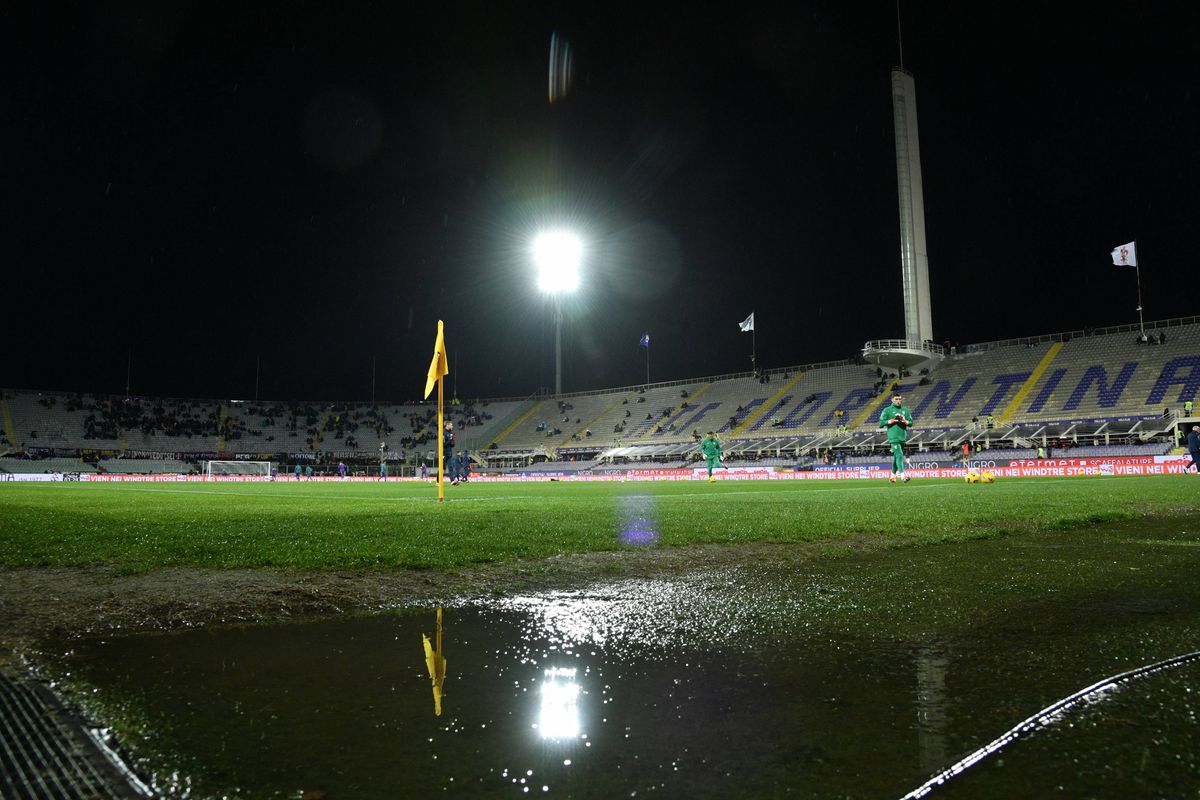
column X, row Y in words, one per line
column 592, row 423
column 635, row 402
column 516, row 423
column 122, row 438
column 677, row 414
column 771, row 404
column 868, row 410
column 322, row 426
column 10, row 430
column 222, row 417
column 1031, row 382
column 661, row 404
column 501, row 412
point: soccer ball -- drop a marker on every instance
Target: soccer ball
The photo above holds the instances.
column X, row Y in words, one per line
column 987, row 477
column 972, row 476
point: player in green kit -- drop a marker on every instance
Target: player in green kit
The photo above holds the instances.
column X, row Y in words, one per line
column 896, row 418
column 711, row 449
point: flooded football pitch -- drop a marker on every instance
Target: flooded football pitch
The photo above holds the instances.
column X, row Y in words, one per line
column 856, row 676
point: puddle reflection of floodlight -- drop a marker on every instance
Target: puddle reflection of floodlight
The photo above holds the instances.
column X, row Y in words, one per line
column 559, row 717
column 557, row 255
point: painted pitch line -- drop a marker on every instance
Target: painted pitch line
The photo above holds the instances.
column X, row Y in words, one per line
column 873, row 483
column 761, row 493
column 1050, row 715
column 317, row 497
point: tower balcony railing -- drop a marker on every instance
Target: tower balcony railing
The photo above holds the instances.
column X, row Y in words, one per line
column 907, row 345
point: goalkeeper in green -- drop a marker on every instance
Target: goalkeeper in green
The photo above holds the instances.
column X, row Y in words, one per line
column 896, row 418
column 711, row 448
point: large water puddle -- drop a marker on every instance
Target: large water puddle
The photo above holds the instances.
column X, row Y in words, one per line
column 855, row 677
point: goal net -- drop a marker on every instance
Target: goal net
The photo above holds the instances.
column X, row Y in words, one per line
column 248, row 469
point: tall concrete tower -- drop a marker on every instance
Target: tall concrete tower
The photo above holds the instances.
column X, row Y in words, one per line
column 917, row 346
column 914, row 259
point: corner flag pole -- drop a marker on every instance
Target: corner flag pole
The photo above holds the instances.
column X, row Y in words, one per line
column 441, row 439
column 438, row 369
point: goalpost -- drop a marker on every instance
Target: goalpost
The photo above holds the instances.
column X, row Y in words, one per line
column 247, row 469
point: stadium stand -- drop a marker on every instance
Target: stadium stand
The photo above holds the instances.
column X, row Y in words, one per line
column 146, row 466
column 16, row 466
column 1101, row 389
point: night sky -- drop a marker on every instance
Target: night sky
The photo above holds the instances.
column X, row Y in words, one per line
column 310, row 186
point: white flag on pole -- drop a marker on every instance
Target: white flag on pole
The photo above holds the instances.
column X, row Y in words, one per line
column 747, row 324
column 1125, row 255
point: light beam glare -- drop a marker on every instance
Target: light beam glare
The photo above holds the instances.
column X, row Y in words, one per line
column 557, row 255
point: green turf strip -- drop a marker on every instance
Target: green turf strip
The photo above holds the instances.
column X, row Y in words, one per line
column 138, row 527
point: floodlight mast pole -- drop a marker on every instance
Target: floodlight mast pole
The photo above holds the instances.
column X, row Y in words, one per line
column 558, row 321
column 557, row 254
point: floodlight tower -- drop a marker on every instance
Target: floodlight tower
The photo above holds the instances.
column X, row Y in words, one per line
column 917, row 344
column 914, row 258
column 557, row 255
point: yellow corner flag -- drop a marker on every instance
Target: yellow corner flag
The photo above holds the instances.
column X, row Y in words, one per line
column 439, row 366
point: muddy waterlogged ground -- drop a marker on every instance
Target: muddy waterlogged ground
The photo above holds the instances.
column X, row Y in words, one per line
column 38, row 605
column 856, row 670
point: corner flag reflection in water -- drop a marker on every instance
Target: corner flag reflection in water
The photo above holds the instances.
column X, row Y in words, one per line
column 559, row 715
column 435, row 662
column 638, row 526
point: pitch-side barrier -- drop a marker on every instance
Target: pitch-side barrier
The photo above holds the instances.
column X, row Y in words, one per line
column 1112, row 466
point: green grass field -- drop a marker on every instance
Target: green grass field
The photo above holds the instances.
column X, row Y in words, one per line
column 139, row 527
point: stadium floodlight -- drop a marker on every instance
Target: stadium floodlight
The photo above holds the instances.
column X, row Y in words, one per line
column 557, row 255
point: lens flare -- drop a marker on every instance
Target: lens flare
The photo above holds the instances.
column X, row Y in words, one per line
column 562, row 68
column 638, row 527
